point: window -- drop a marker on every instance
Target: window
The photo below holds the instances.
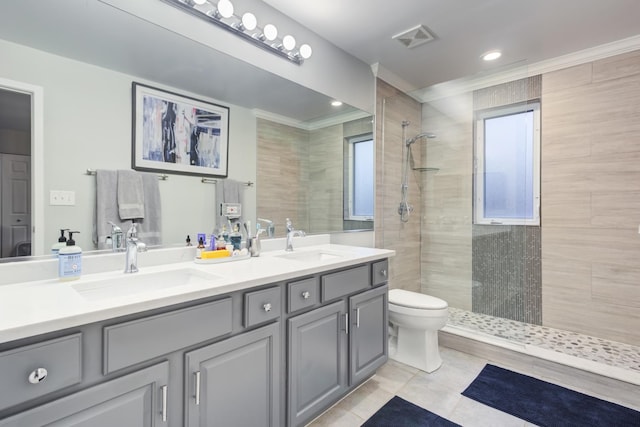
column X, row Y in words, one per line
column 507, row 166
column 359, row 178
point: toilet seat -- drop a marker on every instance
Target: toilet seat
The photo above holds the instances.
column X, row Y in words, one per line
column 415, row 300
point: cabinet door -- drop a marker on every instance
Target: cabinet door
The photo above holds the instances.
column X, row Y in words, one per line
column 317, row 361
column 235, row 382
column 369, row 341
column 135, row 400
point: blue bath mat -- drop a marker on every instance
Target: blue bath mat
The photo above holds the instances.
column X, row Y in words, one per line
column 545, row 404
column 399, row 413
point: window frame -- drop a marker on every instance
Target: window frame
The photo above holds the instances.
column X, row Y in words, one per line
column 349, row 174
column 479, row 166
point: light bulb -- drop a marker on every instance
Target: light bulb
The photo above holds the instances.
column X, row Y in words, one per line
column 199, row 2
column 492, row 55
column 289, row 42
column 305, row 51
column 225, row 8
column 249, row 21
column 270, row 32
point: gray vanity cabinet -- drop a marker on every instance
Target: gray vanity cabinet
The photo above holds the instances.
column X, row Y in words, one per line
column 334, row 348
column 317, row 360
column 235, row 382
column 369, row 343
column 135, row 400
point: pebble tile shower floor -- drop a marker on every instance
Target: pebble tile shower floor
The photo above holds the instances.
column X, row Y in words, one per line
column 571, row 343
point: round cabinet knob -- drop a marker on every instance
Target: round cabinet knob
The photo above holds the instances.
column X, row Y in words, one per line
column 306, row 294
column 384, row 273
column 38, row 375
column 267, row 307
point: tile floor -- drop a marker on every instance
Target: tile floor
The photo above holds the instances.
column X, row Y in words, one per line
column 439, row 392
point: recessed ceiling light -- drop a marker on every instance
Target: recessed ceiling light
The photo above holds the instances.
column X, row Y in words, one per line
column 492, row 55
column 336, row 103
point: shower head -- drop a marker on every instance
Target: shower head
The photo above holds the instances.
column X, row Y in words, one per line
column 427, row 135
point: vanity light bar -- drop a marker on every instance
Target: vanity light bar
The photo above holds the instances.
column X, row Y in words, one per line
column 245, row 26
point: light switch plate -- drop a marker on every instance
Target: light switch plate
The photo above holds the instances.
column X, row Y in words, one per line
column 62, row 198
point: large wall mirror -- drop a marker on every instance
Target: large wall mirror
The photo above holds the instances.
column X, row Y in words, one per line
column 84, row 56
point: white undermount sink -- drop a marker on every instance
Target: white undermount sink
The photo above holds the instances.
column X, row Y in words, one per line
column 136, row 283
column 311, row 256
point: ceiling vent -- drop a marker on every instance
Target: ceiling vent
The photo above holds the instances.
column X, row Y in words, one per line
column 415, row 36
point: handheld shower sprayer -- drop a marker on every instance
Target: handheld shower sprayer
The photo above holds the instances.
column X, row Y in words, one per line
column 405, row 209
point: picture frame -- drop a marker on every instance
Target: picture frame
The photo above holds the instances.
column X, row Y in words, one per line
column 178, row 134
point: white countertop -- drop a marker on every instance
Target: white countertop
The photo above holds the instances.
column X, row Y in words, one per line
column 36, row 307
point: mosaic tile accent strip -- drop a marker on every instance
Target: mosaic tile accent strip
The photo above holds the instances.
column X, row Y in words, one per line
column 507, row 272
column 598, row 350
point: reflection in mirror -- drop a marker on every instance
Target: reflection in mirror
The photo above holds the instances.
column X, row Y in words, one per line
column 15, row 173
column 81, row 106
column 320, row 176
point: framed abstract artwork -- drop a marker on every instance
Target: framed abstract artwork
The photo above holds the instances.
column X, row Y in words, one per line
column 178, row 134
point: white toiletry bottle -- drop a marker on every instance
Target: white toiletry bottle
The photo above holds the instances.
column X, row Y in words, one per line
column 70, row 260
column 62, row 242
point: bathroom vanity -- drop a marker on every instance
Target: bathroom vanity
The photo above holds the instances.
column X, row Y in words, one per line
column 268, row 341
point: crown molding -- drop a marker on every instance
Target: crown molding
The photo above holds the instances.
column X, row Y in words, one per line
column 518, row 71
column 312, row 125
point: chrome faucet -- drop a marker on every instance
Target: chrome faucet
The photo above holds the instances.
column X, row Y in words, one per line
column 133, row 247
column 270, row 227
column 115, row 240
column 291, row 233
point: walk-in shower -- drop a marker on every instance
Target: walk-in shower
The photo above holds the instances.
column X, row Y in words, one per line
column 405, row 209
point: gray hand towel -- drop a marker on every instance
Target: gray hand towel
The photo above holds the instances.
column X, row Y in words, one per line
column 130, row 195
column 227, row 191
column 106, row 207
column 150, row 228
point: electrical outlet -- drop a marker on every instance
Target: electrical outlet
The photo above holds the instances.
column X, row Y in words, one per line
column 62, row 198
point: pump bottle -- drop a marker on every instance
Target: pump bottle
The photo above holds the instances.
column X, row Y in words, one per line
column 70, row 260
column 62, row 242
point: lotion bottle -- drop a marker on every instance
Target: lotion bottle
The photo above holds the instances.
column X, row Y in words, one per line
column 62, row 242
column 70, row 260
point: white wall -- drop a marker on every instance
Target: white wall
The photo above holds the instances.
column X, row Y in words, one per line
column 87, row 124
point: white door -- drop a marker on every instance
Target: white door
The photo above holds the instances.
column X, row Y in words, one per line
column 16, row 203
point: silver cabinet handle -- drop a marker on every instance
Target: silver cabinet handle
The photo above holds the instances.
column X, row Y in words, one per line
column 358, row 317
column 38, row 375
column 164, row 403
column 384, row 273
column 267, row 307
column 306, row 294
column 197, row 388
column 346, row 323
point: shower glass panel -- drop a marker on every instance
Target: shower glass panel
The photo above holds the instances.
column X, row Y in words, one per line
column 490, row 274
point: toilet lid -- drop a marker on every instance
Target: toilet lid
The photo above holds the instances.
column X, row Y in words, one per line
column 415, row 300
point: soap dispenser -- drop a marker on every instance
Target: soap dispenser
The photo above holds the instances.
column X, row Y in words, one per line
column 62, row 242
column 70, row 260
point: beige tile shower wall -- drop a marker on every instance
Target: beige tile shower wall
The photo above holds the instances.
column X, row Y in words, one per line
column 447, row 197
column 392, row 107
column 283, row 164
column 591, row 198
column 325, row 179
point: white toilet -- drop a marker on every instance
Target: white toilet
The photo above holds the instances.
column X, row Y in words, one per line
column 416, row 319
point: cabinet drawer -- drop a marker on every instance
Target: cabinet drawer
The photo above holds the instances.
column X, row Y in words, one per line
column 302, row 294
column 58, row 363
column 128, row 343
column 262, row 306
column 336, row 285
column 380, row 272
